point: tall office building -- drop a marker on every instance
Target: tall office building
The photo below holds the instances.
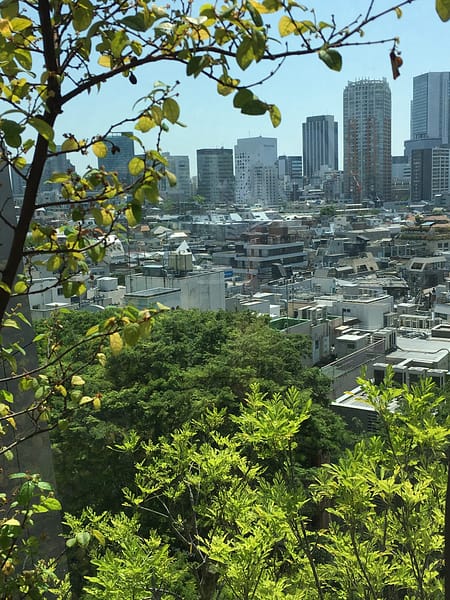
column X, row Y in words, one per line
column 120, row 152
column 256, row 171
column 215, row 177
column 428, row 148
column 181, row 193
column 320, row 144
column 430, row 173
column 430, row 107
column 367, row 140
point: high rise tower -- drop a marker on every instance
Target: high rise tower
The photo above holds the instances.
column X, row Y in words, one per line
column 430, row 107
column 215, row 178
column 367, row 140
column 320, row 144
column 120, row 152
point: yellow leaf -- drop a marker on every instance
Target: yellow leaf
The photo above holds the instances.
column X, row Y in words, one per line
column 20, row 287
column 85, row 400
column 100, row 149
column 101, row 358
column 97, row 403
column 105, row 61
column 286, row 26
column 398, row 12
column 116, row 343
column 136, row 166
column 77, row 380
column 261, row 8
column 69, row 144
column 144, row 124
column 5, row 28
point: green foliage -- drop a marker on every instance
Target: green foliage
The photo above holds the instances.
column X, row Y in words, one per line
column 192, row 361
column 236, row 507
column 22, row 574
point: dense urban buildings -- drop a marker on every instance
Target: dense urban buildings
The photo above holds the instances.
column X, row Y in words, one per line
column 290, row 174
column 215, row 176
column 367, row 141
column 320, row 144
column 256, row 171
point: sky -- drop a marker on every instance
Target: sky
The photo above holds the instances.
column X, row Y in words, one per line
column 303, row 87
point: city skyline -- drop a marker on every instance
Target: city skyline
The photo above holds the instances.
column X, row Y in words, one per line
column 302, row 87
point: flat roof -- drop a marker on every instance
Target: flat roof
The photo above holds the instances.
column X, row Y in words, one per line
column 153, row 292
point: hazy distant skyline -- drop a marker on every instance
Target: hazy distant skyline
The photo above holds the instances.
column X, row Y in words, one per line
column 302, row 87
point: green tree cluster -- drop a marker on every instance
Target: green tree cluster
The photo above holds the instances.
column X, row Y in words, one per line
column 241, row 524
column 192, row 362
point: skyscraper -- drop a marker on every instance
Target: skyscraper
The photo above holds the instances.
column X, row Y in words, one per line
column 215, row 178
column 120, row 152
column 320, row 144
column 367, row 140
column 181, row 193
column 256, row 171
column 430, row 107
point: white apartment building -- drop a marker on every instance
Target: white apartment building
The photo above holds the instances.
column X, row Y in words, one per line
column 256, row 171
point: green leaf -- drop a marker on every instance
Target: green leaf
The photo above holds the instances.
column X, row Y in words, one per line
column 58, row 178
column 20, row 23
column 69, row 144
column 11, row 323
column 245, row 54
column 135, row 22
column 255, row 107
column 171, row 110
column 42, row 127
column 6, row 395
column 54, row 263
column 242, row 97
column 82, row 15
column 12, row 131
column 195, row 65
column 83, row 538
column 5, row 287
column 331, row 58
column 25, row 493
column 51, row 503
column 443, row 9
column 131, row 334
column 119, row 43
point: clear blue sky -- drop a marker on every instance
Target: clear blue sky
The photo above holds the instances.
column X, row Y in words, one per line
column 303, row 87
